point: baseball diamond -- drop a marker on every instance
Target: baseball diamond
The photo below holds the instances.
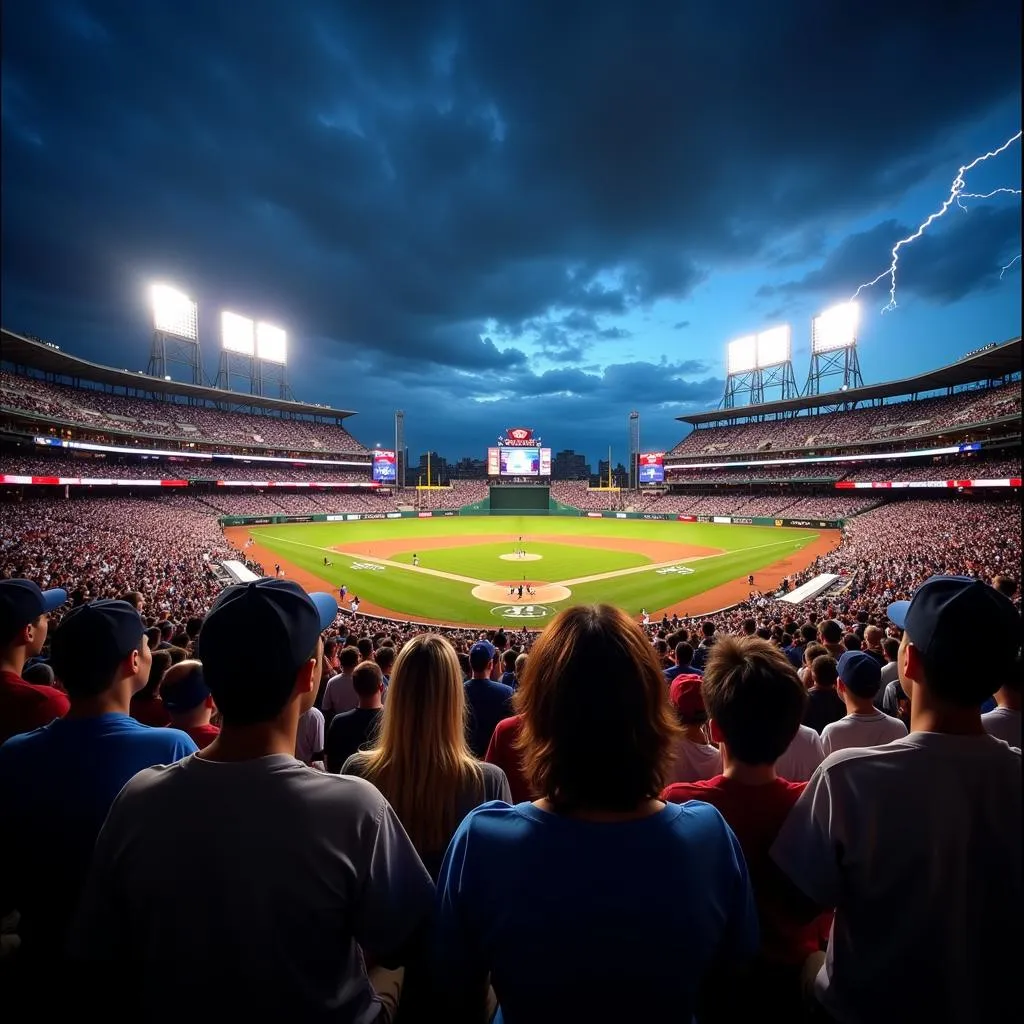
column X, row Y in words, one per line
column 466, row 565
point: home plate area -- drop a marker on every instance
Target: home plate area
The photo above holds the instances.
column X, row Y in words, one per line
column 505, row 591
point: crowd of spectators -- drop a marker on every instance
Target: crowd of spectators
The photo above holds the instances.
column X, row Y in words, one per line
column 579, row 494
column 904, row 418
column 17, row 464
column 453, row 497
column 92, row 408
column 785, row 821
column 729, row 502
column 958, row 468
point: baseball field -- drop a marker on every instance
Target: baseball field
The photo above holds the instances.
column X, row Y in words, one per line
column 469, row 570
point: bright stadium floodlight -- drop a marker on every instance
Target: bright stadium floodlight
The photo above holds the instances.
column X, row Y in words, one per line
column 742, row 354
column 173, row 312
column 271, row 343
column 773, row 346
column 236, row 334
column 836, row 328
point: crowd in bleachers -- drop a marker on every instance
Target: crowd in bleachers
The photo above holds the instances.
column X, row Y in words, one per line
column 729, row 501
column 17, row 464
column 952, row 468
column 147, row 418
column 876, row 423
column 452, row 498
column 579, row 494
column 199, row 840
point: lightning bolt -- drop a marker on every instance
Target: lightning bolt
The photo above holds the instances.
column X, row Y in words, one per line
column 984, row 195
column 1008, row 265
column 954, row 192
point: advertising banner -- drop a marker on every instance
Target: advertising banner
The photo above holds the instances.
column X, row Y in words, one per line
column 545, row 462
column 385, row 466
column 686, row 519
column 652, row 467
column 594, row 515
column 868, row 485
column 493, row 462
column 721, row 519
column 424, row 515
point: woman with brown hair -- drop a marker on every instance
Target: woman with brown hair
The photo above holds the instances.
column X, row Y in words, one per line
column 421, row 761
column 597, row 901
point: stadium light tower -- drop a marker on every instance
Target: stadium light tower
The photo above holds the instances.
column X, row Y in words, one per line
column 237, row 352
column 175, row 334
column 757, row 363
column 272, row 360
column 634, row 450
column 834, row 348
column 401, row 456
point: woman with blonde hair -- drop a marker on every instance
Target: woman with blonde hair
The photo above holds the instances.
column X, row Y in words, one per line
column 597, row 901
column 421, row 761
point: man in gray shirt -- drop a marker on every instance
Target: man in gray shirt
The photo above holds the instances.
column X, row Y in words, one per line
column 241, row 875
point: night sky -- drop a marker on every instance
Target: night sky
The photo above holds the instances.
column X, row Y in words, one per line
column 496, row 214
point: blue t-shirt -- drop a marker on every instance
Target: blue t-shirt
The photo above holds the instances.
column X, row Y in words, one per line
column 56, row 785
column 611, row 921
column 675, row 670
column 489, row 702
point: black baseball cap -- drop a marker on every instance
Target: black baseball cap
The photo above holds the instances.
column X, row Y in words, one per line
column 860, row 673
column 95, row 638
column 944, row 609
column 287, row 620
column 183, row 688
column 22, row 602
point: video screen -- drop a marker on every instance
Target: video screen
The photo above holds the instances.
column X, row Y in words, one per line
column 385, row 467
column 520, row 461
column 652, row 468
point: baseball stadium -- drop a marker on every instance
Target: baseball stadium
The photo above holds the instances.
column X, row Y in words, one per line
column 757, row 503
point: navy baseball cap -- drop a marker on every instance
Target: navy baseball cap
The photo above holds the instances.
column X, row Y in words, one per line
column 96, row 636
column 22, row 602
column 287, row 620
column 183, row 687
column 860, row 673
column 944, row 609
column 481, row 653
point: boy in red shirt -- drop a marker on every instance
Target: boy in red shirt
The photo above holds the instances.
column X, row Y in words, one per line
column 756, row 701
column 24, row 619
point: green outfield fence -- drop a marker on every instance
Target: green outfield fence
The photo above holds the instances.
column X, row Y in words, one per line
column 561, row 510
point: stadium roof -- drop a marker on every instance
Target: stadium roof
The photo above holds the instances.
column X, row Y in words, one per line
column 40, row 355
column 991, row 363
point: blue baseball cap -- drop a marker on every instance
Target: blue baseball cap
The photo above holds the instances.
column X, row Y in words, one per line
column 22, row 602
column 860, row 673
column 481, row 653
column 287, row 620
column 183, row 687
column 94, row 638
column 946, row 608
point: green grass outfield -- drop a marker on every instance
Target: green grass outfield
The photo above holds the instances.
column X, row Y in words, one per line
column 414, row 592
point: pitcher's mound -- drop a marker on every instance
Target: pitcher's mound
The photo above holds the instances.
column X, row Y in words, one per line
column 520, row 558
column 543, row 593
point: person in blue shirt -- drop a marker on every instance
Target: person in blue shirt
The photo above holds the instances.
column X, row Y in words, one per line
column 58, row 782
column 489, row 701
column 598, row 901
column 683, row 658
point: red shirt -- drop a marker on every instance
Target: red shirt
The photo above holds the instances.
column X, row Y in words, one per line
column 26, row 706
column 202, row 735
column 150, row 711
column 755, row 814
column 500, row 751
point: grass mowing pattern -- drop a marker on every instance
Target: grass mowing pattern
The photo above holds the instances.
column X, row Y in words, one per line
column 745, row 550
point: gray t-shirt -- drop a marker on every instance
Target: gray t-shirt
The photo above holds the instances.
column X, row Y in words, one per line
column 252, row 882
column 495, row 787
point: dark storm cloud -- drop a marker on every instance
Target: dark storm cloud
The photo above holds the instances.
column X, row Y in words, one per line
column 417, row 181
column 958, row 255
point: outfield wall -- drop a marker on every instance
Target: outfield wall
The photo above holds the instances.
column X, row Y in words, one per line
column 351, row 517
